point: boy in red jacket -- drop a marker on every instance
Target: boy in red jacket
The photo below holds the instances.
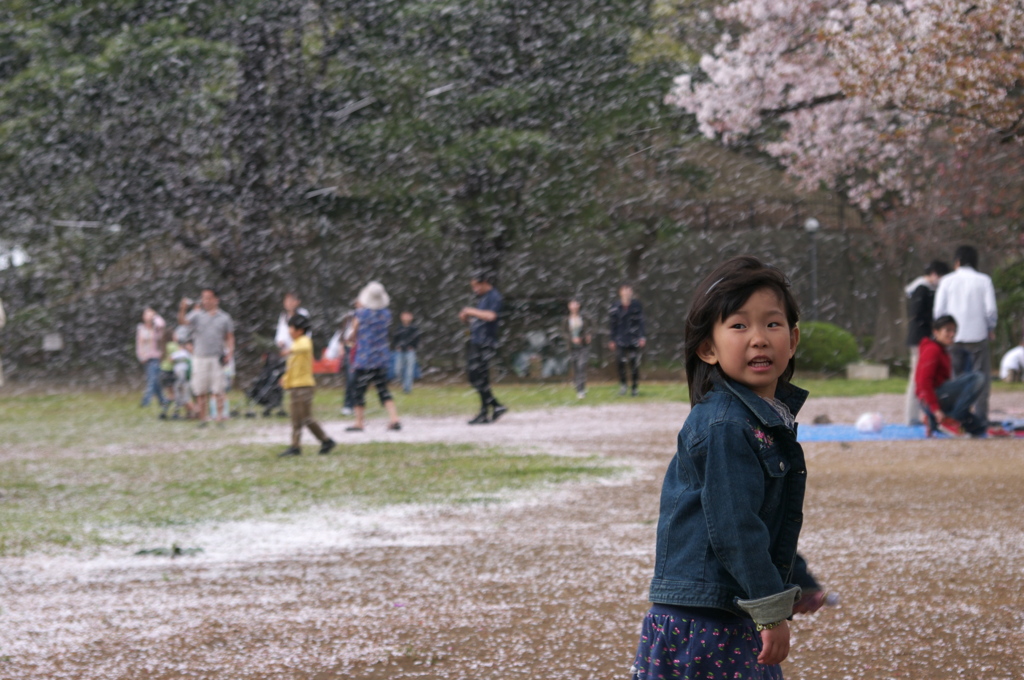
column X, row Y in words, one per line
column 947, row 403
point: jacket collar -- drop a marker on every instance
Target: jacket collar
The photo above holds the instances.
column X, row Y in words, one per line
column 789, row 394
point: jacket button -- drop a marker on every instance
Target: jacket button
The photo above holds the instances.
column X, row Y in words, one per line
column 782, row 466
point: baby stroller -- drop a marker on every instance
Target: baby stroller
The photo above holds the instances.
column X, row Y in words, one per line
column 266, row 388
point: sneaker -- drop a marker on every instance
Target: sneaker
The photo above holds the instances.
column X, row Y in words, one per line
column 346, row 411
column 622, row 391
column 326, row 447
column 395, row 426
column 289, row 452
column 635, row 392
column 951, row 427
column 998, row 431
column 163, row 416
column 581, row 394
column 481, row 419
column 498, row 412
column 353, row 428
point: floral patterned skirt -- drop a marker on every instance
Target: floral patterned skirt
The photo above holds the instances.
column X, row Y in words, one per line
column 680, row 643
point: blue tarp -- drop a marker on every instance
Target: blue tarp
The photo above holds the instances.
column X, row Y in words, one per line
column 849, row 433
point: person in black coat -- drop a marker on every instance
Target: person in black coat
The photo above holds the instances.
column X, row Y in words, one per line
column 920, row 300
column 628, row 336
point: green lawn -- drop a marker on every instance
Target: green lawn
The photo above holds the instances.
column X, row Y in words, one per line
column 76, row 502
column 448, row 399
column 77, row 466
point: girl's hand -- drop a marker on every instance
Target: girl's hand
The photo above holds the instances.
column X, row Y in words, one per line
column 775, row 645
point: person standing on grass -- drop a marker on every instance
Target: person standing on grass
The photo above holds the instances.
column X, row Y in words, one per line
column 406, row 341
column 301, row 385
column 370, row 362
column 149, row 349
column 577, row 334
column 969, row 297
column 920, row 300
column 627, row 334
column 727, row 575
column 212, row 333
column 483, row 318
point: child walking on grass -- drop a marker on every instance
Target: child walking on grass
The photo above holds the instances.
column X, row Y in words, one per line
column 299, row 381
column 727, row 575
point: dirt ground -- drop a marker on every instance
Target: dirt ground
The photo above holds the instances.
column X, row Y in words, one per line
column 924, row 542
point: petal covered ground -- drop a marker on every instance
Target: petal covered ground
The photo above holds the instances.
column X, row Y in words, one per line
column 924, row 541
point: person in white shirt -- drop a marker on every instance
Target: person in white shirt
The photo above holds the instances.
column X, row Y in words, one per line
column 1011, row 368
column 969, row 297
column 292, row 306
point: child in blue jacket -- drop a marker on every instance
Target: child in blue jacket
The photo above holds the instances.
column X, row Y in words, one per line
column 727, row 575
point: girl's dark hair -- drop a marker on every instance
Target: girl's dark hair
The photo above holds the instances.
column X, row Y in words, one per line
column 719, row 295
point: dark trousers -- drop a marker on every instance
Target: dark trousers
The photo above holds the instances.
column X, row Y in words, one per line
column 630, row 355
column 302, row 415
column 957, row 396
column 478, row 366
column 364, row 377
column 350, row 383
column 579, row 357
column 974, row 356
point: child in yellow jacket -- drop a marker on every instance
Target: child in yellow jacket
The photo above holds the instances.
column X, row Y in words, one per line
column 299, row 381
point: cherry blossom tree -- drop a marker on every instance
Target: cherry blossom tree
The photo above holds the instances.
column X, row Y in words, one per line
column 862, row 96
column 910, row 108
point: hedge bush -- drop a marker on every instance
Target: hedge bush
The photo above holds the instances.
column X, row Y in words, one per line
column 825, row 347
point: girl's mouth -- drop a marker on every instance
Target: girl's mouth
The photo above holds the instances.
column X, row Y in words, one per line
column 760, row 363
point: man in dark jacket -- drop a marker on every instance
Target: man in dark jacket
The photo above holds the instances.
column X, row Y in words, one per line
column 483, row 317
column 920, row 300
column 627, row 335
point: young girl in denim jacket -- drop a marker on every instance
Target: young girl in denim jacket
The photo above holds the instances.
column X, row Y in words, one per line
column 727, row 575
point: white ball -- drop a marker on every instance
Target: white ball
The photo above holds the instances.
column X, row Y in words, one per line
column 870, row 422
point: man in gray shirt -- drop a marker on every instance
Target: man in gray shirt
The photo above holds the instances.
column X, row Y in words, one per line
column 213, row 346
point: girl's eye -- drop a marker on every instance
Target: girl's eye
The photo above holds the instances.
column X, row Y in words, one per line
column 738, row 326
column 774, row 324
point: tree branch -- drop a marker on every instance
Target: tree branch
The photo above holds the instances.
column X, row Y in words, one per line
column 800, row 106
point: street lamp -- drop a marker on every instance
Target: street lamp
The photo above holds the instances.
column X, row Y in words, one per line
column 811, row 226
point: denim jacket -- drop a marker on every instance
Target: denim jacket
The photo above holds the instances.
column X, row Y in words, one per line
column 732, row 507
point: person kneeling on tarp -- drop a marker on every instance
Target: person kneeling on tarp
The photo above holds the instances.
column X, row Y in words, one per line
column 946, row 401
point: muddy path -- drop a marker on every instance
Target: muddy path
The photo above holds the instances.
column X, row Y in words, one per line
column 923, row 540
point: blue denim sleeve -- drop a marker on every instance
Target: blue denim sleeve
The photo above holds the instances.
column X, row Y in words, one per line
column 734, row 491
column 802, row 575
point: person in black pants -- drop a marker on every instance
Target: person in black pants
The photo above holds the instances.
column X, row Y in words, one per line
column 482, row 318
column 920, row 300
column 627, row 336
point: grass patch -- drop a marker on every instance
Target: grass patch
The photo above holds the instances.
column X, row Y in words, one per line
column 80, row 502
column 460, row 399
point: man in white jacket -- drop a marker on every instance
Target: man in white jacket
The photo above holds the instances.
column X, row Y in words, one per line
column 969, row 297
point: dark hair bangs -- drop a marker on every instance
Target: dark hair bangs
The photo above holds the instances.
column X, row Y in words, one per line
column 722, row 293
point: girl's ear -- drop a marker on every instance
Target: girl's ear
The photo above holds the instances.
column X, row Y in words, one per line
column 794, row 340
column 706, row 352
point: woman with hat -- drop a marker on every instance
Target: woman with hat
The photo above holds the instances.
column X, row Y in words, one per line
column 372, row 353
